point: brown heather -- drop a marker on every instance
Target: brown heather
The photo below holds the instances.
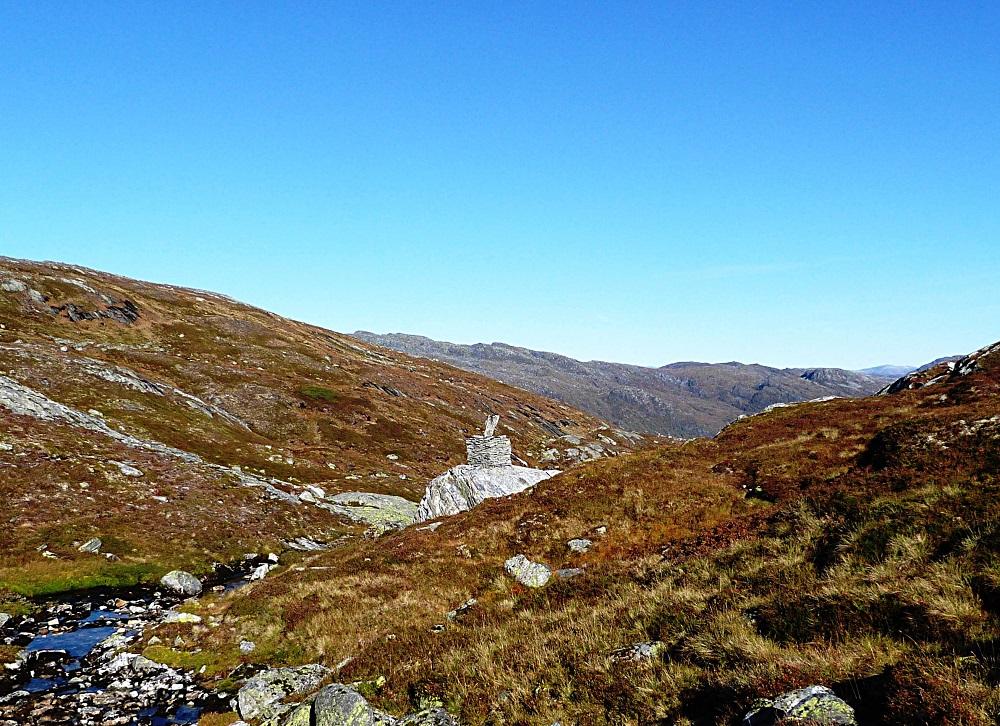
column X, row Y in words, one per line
column 865, row 559
column 320, row 408
column 851, row 543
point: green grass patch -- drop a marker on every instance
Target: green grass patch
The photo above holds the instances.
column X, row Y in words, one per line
column 214, row 662
column 319, row 393
column 69, row 575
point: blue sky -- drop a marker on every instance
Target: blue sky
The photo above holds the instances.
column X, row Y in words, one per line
column 789, row 183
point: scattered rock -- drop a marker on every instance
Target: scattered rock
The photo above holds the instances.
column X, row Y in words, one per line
column 91, row 546
column 185, row 618
column 13, row 286
column 5, row 618
column 569, row 573
column 579, row 545
column 261, row 695
column 462, row 609
column 181, row 582
column 304, row 544
column 639, row 651
column 261, row 572
column 814, row 704
column 247, row 646
column 526, row 572
column 128, row 470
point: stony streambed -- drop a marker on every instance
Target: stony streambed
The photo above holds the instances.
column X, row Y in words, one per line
column 74, row 669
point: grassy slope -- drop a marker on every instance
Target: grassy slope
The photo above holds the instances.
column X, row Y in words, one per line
column 864, row 559
column 319, row 407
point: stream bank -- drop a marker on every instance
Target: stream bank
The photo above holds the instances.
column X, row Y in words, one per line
column 73, row 667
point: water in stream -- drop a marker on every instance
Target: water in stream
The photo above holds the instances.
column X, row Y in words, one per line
column 74, row 667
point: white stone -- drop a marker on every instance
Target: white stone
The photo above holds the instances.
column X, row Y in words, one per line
column 463, row 487
column 528, row 573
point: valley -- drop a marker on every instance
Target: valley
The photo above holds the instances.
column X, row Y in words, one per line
column 411, row 567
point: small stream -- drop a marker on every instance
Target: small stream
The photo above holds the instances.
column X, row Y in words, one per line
column 73, row 668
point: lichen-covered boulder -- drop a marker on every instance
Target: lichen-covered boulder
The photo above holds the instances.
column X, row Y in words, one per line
column 428, row 717
column 183, row 583
column 301, row 715
column 383, row 512
column 528, row 573
column 340, row 705
column 814, row 704
column 261, row 695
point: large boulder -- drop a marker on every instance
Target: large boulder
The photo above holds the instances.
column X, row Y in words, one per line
column 183, row 583
column 814, row 704
column 528, row 573
column 428, row 717
column 340, row 705
column 261, row 695
column 462, row 487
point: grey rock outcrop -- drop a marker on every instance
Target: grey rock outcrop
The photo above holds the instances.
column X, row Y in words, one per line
column 488, row 475
column 13, row 285
column 24, row 401
column 261, row 695
column 4, row 619
column 814, row 704
column 181, row 582
column 526, row 572
column 381, row 511
column 463, row 487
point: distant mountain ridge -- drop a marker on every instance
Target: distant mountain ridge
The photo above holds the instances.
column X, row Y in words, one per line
column 679, row 399
column 888, row 371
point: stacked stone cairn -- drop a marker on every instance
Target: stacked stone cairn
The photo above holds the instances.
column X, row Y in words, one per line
column 488, row 450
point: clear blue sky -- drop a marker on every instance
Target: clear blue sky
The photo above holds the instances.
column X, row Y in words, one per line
column 792, row 183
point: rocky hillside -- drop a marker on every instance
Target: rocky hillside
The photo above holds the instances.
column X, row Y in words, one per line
column 182, row 427
column 850, row 544
column 680, row 399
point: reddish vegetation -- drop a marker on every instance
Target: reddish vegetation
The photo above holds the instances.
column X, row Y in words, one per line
column 849, row 542
column 275, row 397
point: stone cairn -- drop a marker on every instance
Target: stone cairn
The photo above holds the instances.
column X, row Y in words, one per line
column 489, row 450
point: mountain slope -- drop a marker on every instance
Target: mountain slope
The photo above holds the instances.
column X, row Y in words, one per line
column 852, row 543
column 680, row 399
column 181, row 427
